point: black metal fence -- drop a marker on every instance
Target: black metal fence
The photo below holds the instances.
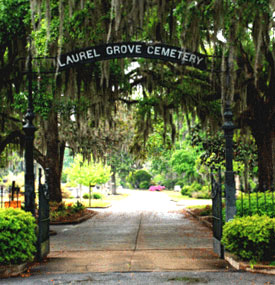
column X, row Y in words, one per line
column 251, row 202
column 43, row 238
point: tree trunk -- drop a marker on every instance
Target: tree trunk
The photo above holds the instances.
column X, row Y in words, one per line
column 113, row 179
column 54, row 158
column 265, row 163
column 263, row 128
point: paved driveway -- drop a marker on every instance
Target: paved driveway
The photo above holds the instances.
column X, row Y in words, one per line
column 144, row 232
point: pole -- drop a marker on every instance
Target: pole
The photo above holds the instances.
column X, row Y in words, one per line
column 29, row 130
column 230, row 191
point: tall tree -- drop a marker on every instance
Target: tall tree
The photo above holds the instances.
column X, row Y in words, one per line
column 82, row 99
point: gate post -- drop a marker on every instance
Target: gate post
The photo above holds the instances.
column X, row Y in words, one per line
column 29, row 130
column 230, row 191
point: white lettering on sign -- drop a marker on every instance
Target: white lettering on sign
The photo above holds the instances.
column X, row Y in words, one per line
column 89, row 53
column 157, row 50
column 109, row 50
column 165, row 52
column 116, row 49
column 138, row 49
column 199, row 60
column 69, row 60
column 173, row 53
column 75, row 57
column 192, row 58
column 123, row 49
column 150, row 50
column 185, row 56
column 60, row 63
column 82, row 55
column 132, row 49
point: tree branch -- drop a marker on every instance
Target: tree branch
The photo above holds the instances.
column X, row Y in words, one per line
column 10, row 138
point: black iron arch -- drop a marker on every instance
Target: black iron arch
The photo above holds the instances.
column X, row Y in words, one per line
column 132, row 50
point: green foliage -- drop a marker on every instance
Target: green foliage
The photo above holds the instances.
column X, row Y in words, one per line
column 196, row 190
column 85, row 173
column 144, row 185
column 169, row 183
column 121, row 163
column 14, row 18
column 259, row 203
column 96, row 196
column 138, row 176
column 251, row 238
column 183, row 162
column 17, row 236
column 181, row 183
column 61, row 211
column 77, row 207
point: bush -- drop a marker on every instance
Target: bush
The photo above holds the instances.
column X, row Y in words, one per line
column 181, row 183
column 138, row 176
column 251, row 238
column 61, row 211
column 17, row 236
column 169, row 183
column 204, row 193
column 144, row 185
column 185, row 190
column 195, row 190
column 93, row 196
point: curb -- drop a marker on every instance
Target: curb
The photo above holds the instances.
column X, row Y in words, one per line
column 201, row 219
column 77, row 221
column 12, row 270
column 106, row 207
column 242, row 265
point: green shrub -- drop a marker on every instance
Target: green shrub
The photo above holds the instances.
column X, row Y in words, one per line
column 196, row 190
column 93, row 196
column 185, row 190
column 169, row 183
column 59, row 211
column 135, row 178
column 204, row 193
column 97, row 196
column 17, row 236
column 181, row 183
column 144, row 185
column 86, row 196
column 251, row 238
column 77, row 207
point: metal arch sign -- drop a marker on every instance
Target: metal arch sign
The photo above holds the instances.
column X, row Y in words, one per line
column 132, row 49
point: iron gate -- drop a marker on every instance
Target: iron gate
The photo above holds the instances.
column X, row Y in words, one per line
column 216, row 195
column 43, row 239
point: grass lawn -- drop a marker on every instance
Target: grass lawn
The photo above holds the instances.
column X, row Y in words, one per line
column 176, row 196
column 98, row 203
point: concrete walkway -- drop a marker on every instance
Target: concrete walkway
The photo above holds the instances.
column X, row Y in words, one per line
column 144, row 232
